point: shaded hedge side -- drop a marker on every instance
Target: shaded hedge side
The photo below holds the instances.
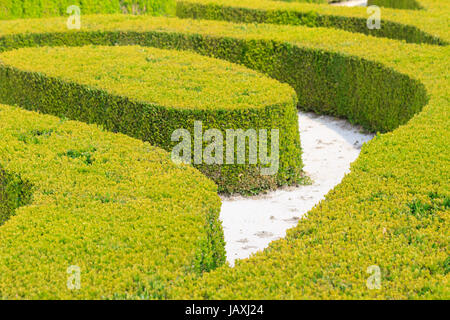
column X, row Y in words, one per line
column 102, row 202
column 14, row 193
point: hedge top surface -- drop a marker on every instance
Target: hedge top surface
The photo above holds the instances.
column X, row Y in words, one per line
column 163, row 77
column 103, row 202
column 433, row 19
column 319, row 38
column 392, row 210
column 13, row 9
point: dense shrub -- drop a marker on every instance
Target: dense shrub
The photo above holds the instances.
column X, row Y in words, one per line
column 116, row 207
column 391, row 211
column 156, row 92
column 362, row 91
column 13, row 9
column 250, row 11
column 396, row 4
column 14, row 193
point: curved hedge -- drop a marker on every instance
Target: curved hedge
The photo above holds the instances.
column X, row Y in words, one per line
column 103, row 202
column 396, row 4
column 14, row 9
column 132, row 99
column 365, row 92
column 311, row 15
column 392, row 210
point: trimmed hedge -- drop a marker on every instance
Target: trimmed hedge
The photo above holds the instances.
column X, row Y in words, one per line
column 14, row 193
column 133, row 99
column 313, row 1
column 392, row 210
column 365, row 92
column 173, row 79
column 396, row 4
column 249, row 11
column 118, row 208
column 14, row 9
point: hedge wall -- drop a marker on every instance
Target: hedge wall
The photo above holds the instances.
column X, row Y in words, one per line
column 396, row 4
column 14, row 9
column 120, row 105
column 249, row 11
column 365, row 92
column 313, row 1
column 391, row 211
column 117, row 208
column 14, row 193
column 324, row 82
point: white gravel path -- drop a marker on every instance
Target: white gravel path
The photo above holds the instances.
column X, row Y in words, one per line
column 351, row 3
column 329, row 146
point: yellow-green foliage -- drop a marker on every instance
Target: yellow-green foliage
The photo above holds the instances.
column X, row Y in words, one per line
column 117, row 207
column 397, row 4
column 14, row 193
column 410, row 25
column 391, row 210
column 180, row 80
column 324, row 81
column 149, row 93
column 313, row 1
column 13, row 9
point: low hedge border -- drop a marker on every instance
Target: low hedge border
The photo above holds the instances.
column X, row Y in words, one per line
column 15, row 9
column 248, row 11
column 103, row 202
column 396, row 4
column 390, row 211
column 14, row 193
column 155, row 122
column 321, row 79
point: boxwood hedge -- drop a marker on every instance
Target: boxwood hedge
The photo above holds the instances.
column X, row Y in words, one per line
column 393, row 25
column 391, row 211
column 397, row 4
column 116, row 207
column 131, row 98
column 14, row 193
column 14, row 9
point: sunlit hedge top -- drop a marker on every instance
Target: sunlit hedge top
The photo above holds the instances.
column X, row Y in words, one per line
column 391, row 210
column 116, row 207
column 14, row 9
column 167, row 78
column 432, row 19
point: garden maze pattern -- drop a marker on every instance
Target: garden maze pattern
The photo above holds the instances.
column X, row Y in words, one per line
column 83, row 186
